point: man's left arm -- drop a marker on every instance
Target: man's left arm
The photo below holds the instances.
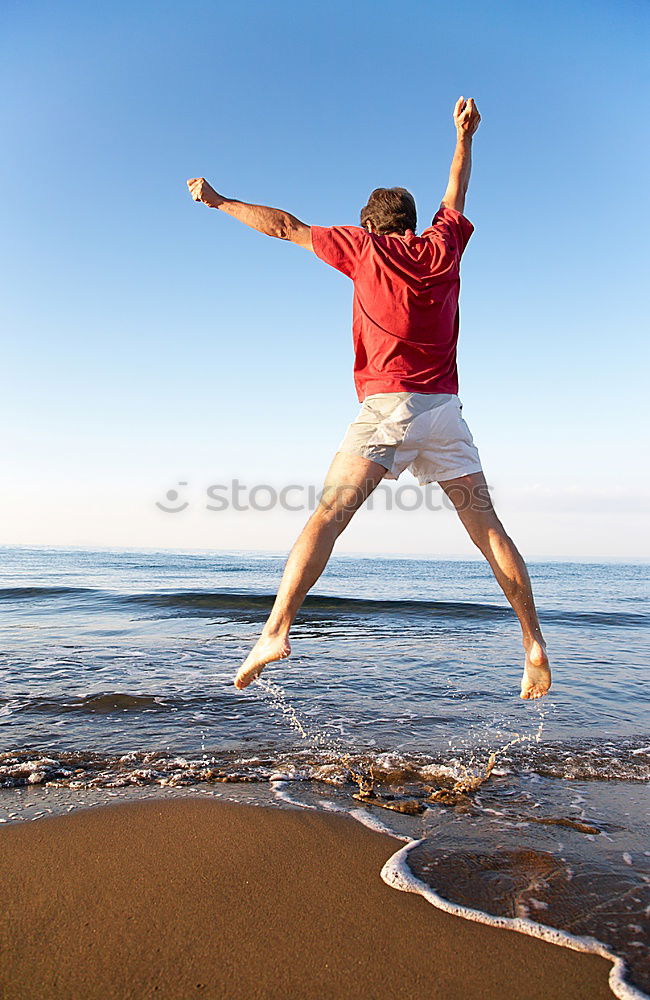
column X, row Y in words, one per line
column 270, row 221
column 466, row 120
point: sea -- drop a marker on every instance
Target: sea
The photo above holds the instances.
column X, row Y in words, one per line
column 398, row 706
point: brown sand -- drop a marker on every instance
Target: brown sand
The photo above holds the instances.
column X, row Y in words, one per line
column 189, row 898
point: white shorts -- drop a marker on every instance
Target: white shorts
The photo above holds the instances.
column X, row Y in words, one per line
column 422, row 432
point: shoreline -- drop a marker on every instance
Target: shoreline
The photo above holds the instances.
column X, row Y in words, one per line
column 229, row 900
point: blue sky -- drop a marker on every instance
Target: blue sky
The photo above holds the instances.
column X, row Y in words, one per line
column 149, row 341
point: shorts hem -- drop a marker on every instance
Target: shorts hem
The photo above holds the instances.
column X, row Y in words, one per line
column 359, row 454
column 453, row 474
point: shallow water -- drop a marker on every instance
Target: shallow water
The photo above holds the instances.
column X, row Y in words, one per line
column 402, row 691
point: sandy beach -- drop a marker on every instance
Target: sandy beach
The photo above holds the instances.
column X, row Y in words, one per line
column 214, row 899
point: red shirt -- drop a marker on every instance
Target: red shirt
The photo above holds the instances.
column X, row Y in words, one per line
column 405, row 309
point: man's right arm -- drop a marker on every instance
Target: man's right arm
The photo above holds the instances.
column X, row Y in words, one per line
column 466, row 120
column 270, row 221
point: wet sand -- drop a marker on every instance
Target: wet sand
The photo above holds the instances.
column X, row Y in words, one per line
column 175, row 899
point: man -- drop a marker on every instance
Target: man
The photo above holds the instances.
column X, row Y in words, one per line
column 405, row 331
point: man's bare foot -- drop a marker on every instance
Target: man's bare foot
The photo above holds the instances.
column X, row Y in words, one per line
column 537, row 675
column 267, row 649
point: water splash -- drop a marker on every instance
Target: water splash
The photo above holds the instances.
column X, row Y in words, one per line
column 278, row 700
column 476, row 772
column 460, row 782
column 469, row 777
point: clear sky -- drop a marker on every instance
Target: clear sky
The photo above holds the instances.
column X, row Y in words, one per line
column 149, row 341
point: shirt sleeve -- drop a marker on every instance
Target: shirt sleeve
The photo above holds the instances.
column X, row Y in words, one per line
column 452, row 227
column 339, row 246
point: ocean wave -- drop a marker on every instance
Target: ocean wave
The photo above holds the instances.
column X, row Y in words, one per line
column 107, row 702
column 101, row 703
column 25, row 593
column 362, row 607
column 241, row 603
column 581, row 900
column 375, row 775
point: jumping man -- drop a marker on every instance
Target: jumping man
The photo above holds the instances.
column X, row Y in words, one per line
column 405, row 332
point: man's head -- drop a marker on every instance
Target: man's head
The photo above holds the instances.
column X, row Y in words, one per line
column 389, row 210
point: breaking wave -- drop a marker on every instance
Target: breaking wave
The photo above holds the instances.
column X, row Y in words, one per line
column 240, row 603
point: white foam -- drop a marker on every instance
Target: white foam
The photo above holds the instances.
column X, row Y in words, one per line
column 280, row 792
column 331, row 806
column 396, row 873
column 373, row 823
column 279, row 786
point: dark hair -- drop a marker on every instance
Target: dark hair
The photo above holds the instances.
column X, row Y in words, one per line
column 391, row 210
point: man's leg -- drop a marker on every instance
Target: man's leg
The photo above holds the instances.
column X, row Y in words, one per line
column 470, row 496
column 349, row 482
